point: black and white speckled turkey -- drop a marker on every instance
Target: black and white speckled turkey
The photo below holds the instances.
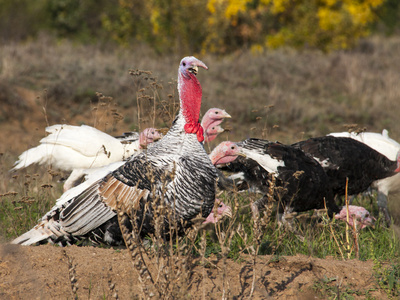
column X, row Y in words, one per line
column 300, row 182
column 176, row 170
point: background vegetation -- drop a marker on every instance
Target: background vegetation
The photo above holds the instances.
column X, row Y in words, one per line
column 207, row 26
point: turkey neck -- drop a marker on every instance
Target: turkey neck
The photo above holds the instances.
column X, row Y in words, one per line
column 190, row 94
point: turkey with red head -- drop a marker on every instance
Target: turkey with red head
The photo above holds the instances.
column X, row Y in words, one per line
column 175, row 172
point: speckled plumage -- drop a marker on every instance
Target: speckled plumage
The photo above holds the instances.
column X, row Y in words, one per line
column 176, row 170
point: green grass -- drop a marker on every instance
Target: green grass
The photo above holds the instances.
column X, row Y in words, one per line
column 23, row 206
column 30, row 196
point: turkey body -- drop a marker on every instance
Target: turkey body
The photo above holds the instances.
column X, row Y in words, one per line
column 81, row 148
column 300, row 182
column 388, row 147
column 175, row 172
column 379, row 142
column 345, row 158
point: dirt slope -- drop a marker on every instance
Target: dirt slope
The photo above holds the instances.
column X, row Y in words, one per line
column 42, row 273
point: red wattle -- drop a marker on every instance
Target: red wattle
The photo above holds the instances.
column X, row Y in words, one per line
column 195, row 128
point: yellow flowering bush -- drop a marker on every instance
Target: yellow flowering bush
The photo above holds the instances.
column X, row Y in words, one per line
column 222, row 26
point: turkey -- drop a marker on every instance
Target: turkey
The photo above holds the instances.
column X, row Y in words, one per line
column 300, row 182
column 214, row 117
column 221, row 210
column 210, row 123
column 212, row 132
column 358, row 215
column 391, row 149
column 77, row 148
column 380, row 142
column 345, row 158
column 256, row 159
column 176, row 172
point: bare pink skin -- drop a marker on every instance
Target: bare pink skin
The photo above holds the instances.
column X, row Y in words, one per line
column 357, row 213
column 212, row 132
column 213, row 117
column 398, row 162
column 221, row 210
column 224, row 153
column 148, row 136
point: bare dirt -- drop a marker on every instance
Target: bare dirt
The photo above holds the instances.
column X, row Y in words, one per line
column 42, row 272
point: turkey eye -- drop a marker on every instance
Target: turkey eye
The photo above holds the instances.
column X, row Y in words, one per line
column 220, row 205
column 232, row 147
column 216, row 113
column 184, row 64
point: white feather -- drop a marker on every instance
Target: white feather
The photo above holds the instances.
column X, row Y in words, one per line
column 265, row 160
column 379, row 142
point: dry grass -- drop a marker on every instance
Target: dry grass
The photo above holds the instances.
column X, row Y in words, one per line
column 311, row 93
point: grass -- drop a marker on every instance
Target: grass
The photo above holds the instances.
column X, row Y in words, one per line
column 311, row 93
column 283, row 96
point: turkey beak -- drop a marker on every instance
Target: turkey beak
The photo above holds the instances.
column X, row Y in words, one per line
column 370, row 221
column 220, row 130
column 195, row 66
column 226, row 115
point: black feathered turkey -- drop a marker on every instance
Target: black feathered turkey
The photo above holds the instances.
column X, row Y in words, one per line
column 300, row 182
column 345, row 158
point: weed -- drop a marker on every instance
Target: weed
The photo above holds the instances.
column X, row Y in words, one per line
column 332, row 288
column 388, row 278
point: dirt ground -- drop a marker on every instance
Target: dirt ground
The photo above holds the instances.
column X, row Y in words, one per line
column 42, row 272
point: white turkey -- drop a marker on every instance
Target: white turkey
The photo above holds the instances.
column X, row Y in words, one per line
column 391, row 149
column 78, row 148
column 300, row 182
column 175, row 172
